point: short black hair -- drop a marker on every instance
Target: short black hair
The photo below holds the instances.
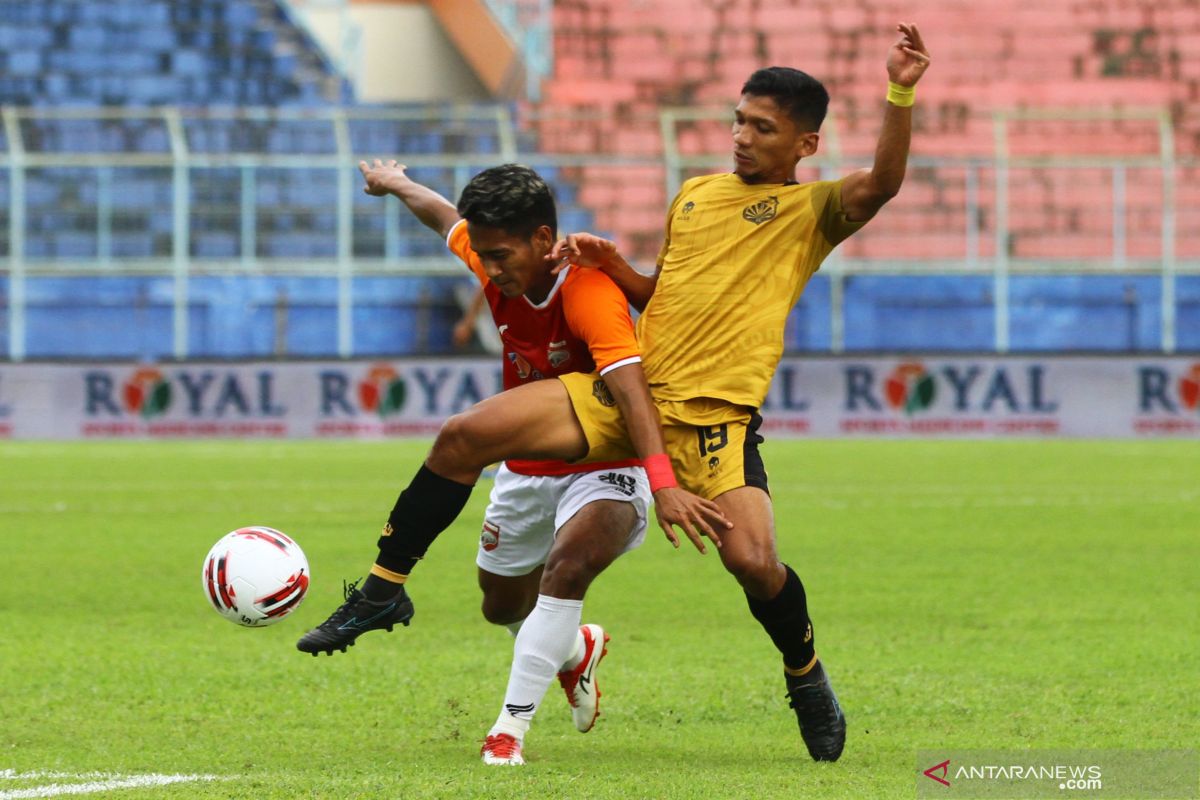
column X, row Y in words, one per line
column 798, row 94
column 511, row 197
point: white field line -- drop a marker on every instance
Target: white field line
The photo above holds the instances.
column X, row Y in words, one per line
column 39, row 774
column 106, row 781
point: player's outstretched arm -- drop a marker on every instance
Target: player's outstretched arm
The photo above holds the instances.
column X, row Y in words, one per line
column 697, row 517
column 866, row 191
column 387, row 177
column 465, row 327
column 593, row 252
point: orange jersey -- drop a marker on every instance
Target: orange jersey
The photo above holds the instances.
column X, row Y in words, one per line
column 583, row 325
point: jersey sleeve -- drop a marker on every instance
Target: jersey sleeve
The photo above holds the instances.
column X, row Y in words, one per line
column 460, row 244
column 831, row 217
column 598, row 313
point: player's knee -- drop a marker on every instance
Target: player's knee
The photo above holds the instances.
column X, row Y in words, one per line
column 454, row 441
column 504, row 609
column 567, row 578
column 754, row 570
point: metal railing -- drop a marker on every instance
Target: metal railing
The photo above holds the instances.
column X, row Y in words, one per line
column 978, row 241
column 184, row 163
column 999, row 163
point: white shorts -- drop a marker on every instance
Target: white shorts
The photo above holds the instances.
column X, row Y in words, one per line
column 525, row 513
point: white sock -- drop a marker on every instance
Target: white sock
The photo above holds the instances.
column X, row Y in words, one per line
column 515, row 627
column 577, row 654
column 546, row 642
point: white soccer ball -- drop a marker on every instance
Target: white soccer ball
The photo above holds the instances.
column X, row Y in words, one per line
column 255, row 576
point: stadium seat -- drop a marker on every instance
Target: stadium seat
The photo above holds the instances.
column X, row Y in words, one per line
column 616, row 63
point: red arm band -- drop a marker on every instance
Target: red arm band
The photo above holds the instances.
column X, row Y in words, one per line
column 659, row 472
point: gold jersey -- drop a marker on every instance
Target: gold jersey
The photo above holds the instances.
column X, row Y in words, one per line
column 735, row 260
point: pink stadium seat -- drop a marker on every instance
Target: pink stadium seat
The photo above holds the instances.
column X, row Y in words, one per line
column 584, row 92
column 622, row 59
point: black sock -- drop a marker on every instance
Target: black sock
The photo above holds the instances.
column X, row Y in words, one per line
column 377, row 589
column 785, row 618
column 423, row 510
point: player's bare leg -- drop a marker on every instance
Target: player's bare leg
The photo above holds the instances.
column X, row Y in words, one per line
column 777, row 600
column 508, row 600
column 534, row 421
column 552, row 641
column 749, row 552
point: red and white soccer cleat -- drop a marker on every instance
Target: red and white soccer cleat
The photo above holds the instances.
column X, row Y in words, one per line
column 501, row 748
column 583, row 693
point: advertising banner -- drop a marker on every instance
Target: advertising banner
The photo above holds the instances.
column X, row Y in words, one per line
column 963, row 397
column 986, row 397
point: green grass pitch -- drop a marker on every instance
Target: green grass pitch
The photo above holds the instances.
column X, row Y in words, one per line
column 1019, row 594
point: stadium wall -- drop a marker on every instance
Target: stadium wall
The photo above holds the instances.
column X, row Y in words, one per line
column 939, row 397
column 400, row 51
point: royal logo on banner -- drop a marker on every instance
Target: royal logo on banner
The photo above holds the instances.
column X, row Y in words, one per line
column 910, row 388
column 184, row 401
column 1083, row 396
column 146, row 394
column 1168, row 399
column 1189, row 389
column 955, row 398
column 386, row 399
column 383, row 391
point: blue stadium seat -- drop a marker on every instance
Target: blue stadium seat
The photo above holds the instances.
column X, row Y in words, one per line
column 110, row 317
column 24, row 62
column 189, row 62
column 1187, row 314
column 133, row 245
column 216, row 245
column 1106, row 313
column 808, row 326
column 889, row 313
column 75, row 244
column 112, row 53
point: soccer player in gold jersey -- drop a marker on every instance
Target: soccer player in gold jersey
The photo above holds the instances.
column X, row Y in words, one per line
column 739, row 249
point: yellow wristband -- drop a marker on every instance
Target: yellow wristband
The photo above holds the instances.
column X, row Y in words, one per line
column 901, row 95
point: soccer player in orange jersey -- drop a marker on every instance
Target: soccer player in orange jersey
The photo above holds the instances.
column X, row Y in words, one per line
column 551, row 526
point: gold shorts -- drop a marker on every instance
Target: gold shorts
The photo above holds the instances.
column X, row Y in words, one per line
column 713, row 445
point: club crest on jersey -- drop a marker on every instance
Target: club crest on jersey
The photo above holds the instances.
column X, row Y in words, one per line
column 600, row 392
column 762, row 211
column 489, row 538
column 524, row 370
column 558, row 354
column 685, row 213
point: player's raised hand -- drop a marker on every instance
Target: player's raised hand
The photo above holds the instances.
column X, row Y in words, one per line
column 382, row 177
column 697, row 517
column 908, row 58
column 581, row 249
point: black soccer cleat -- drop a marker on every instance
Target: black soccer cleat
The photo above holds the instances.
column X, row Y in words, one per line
column 822, row 723
column 353, row 618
